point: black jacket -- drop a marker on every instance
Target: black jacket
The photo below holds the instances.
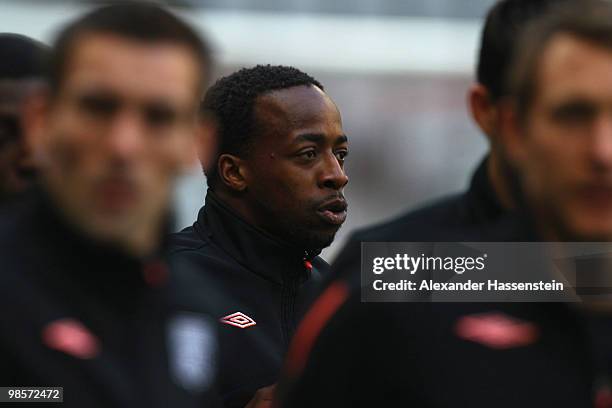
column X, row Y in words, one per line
column 454, row 355
column 447, row 354
column 89, row 318
column 251, row 274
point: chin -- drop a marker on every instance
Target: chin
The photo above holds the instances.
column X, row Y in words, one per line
column 318, row 241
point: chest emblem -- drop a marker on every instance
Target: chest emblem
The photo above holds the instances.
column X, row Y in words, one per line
column 71, row 337
column 192, row 349
column 496, row 330
column 238, row 319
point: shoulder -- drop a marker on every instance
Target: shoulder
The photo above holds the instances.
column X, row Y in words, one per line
column 436, row 221
column 415, row 224
column 187, row 240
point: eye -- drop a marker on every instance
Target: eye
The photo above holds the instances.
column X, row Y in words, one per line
column 341, row 155
column 159, row 115
column 98, row 105
column 309, row 154
column 575, row 112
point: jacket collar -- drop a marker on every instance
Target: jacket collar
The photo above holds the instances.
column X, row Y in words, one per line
column 94, row 265
column 250, row 246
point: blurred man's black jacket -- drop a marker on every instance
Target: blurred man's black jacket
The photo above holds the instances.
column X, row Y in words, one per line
column 107, row 327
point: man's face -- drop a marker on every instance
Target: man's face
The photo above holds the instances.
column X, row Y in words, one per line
column 296, row 167
column 565, row 151
column 16, row 171
column 118, row 131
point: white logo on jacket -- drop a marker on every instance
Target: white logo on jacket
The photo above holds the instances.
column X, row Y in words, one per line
column 192, row 348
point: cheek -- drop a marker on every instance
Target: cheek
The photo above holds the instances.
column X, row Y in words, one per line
column 281, row 186
column 169, row 156
column 552, row 156
column 71, row 156
column 68, row 147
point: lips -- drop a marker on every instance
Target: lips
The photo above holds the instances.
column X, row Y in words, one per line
column 116, row 195
column 333, row 212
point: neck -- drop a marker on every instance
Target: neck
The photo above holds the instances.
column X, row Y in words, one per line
column 145, row 241
column 250, row 214
column 498, row 175
column 139, row 236
column 238, row 205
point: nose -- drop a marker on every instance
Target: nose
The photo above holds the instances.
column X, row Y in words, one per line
column 601, row 149
column 333, row 175
column 125, row 137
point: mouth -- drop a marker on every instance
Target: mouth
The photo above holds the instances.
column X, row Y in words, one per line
column 116, row 195
column 333, row 212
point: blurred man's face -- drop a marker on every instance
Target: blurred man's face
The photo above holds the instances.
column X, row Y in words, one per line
column 16, row 171
column 296, row 167
column 565, row 151
column 117, row 133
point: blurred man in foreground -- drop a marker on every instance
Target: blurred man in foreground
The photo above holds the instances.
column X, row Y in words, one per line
column 560, row 135
column 489, row 197
column 22, row 68
column 275, row 201
column 85, row 294
column 503, row 354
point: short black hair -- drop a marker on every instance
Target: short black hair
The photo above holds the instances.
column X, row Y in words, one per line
column 22, row 57
column 504, row 24
column 231, row 101
column 136, row 20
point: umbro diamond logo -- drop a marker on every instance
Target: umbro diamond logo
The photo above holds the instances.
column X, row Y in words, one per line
column 238, row 319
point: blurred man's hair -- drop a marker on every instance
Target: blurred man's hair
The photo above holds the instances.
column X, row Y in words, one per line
column 587, row 20
column 503, row 25
column 21, row 57
column 231, row 102
column 139, row 21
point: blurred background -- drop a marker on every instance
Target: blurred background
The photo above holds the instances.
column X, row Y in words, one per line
column 397, row 69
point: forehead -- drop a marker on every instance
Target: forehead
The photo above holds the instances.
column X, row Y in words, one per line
column 573, row 67
column 296, row 108
column 131, row 67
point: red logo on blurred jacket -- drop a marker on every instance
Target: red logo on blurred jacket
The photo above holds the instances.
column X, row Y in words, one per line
column 496, row 330
column 71, row 337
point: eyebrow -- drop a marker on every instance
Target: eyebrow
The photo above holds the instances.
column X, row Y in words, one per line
column 318, row 138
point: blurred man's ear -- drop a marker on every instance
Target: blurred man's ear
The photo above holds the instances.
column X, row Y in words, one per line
column 484, row 110
column 35, row 116
column 206, row 141
column 232, row 172
column 512, row 133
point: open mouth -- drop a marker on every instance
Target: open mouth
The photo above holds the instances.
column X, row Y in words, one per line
column 333, row 212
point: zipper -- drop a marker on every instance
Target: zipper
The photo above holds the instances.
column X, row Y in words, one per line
column 289, row 293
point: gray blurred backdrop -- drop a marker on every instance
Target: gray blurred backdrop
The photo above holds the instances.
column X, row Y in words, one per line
column 398, row 70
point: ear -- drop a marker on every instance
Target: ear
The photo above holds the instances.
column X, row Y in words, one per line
column 35, row 117
column 484, row 110
column 232, row 172
column 512, row 133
